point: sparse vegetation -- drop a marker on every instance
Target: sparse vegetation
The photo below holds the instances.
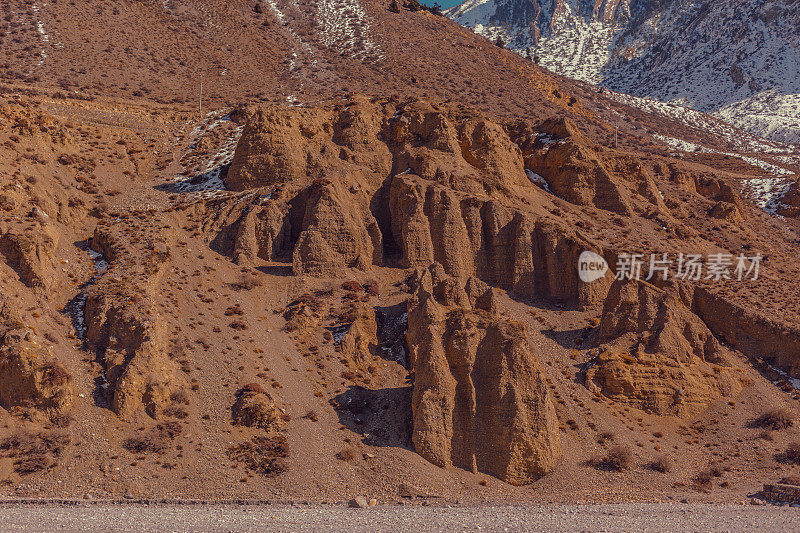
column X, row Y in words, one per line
column 791, row 480
column 793, row 452
column 346, row 454
column 777, row 419
column 34, row 452
column 156, row 440
column 246, row 282
column 618, row 458
column 662, row 464
column 264, row 455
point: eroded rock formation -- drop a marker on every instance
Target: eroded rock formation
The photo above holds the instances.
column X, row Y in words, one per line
column 586, row 174
column 480, row 400
column 32, row 382
column 657, row 355
column 127, row 331
column 371, row 184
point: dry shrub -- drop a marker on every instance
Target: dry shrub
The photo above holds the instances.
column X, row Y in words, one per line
column 251, row 387
column 265, row 455
column 605, row 436
column 156, row 440
column 256, row 409
column 54, row 375
column 174, row 411
column 34, row 451
column 33, row 464
column 238, row 325
column 246, row 282
column 793, row 452
column 618, row 458
column 352, row 286
column 777, row 418
column 311, row 415
column 346, row 454
column 372, row 289
column 180, row 397
column 662, row 464
column 703, row 479
column 790, row 480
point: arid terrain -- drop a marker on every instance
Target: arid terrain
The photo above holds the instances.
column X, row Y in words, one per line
column 354, row 273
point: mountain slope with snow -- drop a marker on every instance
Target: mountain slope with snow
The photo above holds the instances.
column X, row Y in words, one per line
column 736, row 59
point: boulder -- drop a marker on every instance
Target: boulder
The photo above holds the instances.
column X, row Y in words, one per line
column 29, row 252
column 32, row 381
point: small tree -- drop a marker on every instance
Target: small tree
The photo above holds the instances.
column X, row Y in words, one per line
column 499, row 42
column 394, row 7
column 257, row 8
column 436, row 9
column 413, row 5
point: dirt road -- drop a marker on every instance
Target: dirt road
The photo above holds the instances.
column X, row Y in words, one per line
column 572, row 518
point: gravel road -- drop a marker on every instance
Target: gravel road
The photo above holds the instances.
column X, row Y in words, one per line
column 624, row 517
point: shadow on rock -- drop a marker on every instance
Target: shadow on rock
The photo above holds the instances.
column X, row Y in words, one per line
column 382, row 417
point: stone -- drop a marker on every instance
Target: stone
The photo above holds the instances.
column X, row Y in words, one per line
column 359, row 502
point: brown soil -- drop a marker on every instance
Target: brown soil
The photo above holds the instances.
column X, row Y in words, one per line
column 255, row 342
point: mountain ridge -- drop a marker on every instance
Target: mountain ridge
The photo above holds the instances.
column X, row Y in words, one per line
column 738, row 61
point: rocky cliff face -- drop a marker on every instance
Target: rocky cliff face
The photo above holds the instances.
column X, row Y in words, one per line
column 657, row 355
column 408, row 186
column 737, row 60
column 480, row 399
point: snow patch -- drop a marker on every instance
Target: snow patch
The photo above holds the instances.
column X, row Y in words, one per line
column 345, row 26
column 537, row 180
column 766, row 193
column 76, row 308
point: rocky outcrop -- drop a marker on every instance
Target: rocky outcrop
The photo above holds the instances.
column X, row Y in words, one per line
column 586, row 174
column 472, row 236
column 256, row 409
column 657, row 355
column 362, row 335
column 727, row 204
column 480, row 400
column 789, row 202
column 369, row 183
column 29, row 252
column 337, row 232
column 755, row 335
column 294, row 146
column 32, row 382
column 125, row 329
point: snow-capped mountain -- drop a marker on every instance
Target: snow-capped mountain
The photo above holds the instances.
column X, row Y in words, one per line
column 736, row 59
